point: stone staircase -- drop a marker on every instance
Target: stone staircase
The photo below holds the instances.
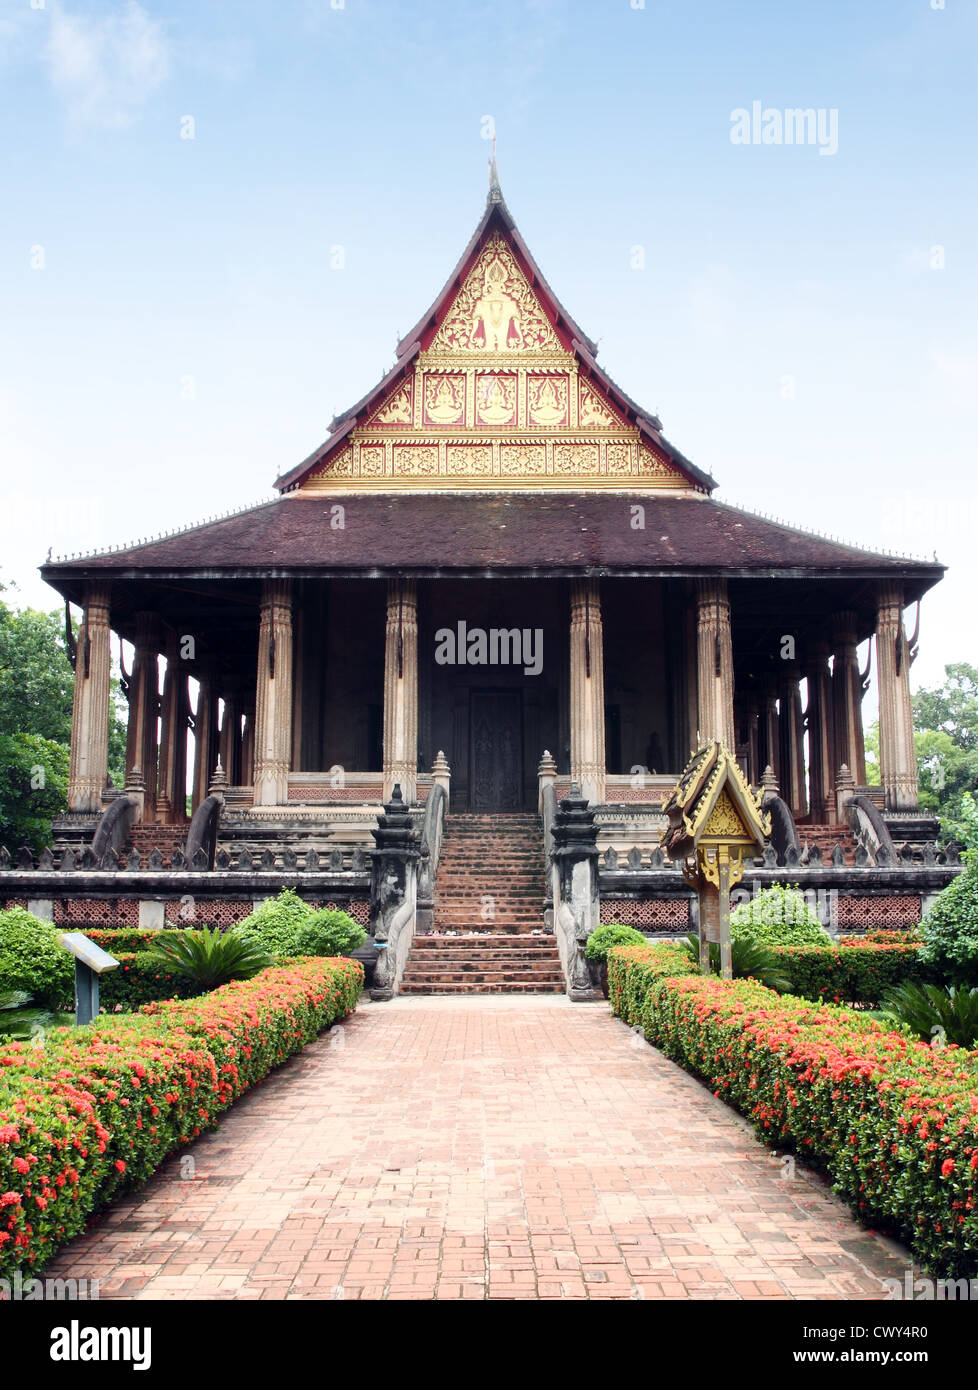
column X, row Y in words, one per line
column 490, row 892
column 486, row 963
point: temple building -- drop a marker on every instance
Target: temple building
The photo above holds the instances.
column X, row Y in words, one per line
column 495, row 572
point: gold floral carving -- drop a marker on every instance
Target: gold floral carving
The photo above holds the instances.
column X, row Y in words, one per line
column 372, row 460
column 416, row 460
column 495, row 311
column 579, row 459
column 621, row 458
column 469, row 460
column 522, row 460
column 724, row 821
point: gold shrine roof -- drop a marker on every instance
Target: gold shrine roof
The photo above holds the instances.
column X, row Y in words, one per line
column 713, row 801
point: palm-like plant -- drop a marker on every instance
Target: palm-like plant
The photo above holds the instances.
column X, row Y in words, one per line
column 934, row 1013
column 748, row 959
column 208, row 957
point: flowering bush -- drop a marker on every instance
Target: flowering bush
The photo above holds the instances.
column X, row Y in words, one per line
column 893, row 1121
column 116, row 939
column 94, row 1110
column 140, row 980
column 855, row 974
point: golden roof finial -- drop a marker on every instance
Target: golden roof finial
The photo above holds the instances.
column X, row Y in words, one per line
column 495, row 192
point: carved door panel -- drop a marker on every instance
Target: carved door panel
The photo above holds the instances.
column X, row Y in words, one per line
column 496, row 741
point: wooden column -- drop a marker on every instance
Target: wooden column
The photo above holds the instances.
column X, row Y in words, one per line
column 273, row 698
column 89, row 762
column 847, row 700
column 821, row 776
column 401, row 690
column 142, row 735
column 898, row 759
column 587, row 690
column 714, row 664
column 171, row 802
column 230, row 740
column 792, row 728
column 206, row 737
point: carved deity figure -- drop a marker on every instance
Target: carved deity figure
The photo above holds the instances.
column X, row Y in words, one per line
column 496, row 315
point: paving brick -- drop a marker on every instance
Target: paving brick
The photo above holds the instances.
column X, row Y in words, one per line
column 481, row 1147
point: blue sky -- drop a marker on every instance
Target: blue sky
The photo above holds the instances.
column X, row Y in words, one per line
column 175, row 331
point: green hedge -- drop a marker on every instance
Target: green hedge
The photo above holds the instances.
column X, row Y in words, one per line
column 116, row 939
column 93, row 1111
column 137, row 981
column 891, row 1120
column 851, row 974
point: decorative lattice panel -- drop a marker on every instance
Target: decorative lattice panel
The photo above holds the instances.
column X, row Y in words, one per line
column 659, row 914
column 897, row 911
column 13, row 902
column 96, row 912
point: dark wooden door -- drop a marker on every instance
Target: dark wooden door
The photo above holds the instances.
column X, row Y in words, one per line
column 496, row 750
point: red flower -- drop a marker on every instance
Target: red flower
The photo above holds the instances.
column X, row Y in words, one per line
column 120, row 1165
column 947, row 1167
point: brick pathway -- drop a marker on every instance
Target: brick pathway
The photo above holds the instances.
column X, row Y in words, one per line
column 485, row 1147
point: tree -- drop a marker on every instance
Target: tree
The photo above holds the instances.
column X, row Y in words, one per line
column 946, row 723
column 36, row 691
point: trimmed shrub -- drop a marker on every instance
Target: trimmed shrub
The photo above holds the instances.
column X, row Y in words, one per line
column 851, row 974
column 601, row 940
column 96, row 1110
column 116, row 939
column 287, row 926
column 779, row 916
column 893, row 1121
column 950, row 928
column 32, row 961
column 632, row 970
column 141, row 980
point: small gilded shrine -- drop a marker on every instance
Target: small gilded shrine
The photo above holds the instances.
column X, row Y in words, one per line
column 715, row 822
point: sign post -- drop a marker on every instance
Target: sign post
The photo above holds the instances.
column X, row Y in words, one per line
column 715, row 820
column 90, row 962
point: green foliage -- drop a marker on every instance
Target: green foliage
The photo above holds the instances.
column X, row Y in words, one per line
column 139, row 980
column 20, row 1018
column 748, row 958
column 601, row 940
column 778, row 916
column 32, row 960
column 33, row 789
column 287, row 926
column 950, row 928
column 116, row 939
column 935, row 1013
column 36, row 689
column 632, row 971
column 852, row 973
column 207, row 958
column 946, row 721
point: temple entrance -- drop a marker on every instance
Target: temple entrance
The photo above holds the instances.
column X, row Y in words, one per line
column 496, row 753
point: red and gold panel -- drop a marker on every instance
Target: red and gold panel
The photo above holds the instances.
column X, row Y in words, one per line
column 398, row 409
column 443, row 402
column 495, row 399
column 547, row 397
column 372, row 460
column 416, row 460
column 469, row 460
column 522, row 460
column 582, row 460
column 594, row 412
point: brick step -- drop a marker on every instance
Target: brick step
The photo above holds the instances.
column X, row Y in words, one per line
column 417, row 987
column 460, row 960
column 487, row 937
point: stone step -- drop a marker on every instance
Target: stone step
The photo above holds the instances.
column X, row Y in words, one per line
column 417, row 987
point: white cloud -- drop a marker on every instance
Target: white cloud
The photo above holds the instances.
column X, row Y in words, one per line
column 106, row 66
